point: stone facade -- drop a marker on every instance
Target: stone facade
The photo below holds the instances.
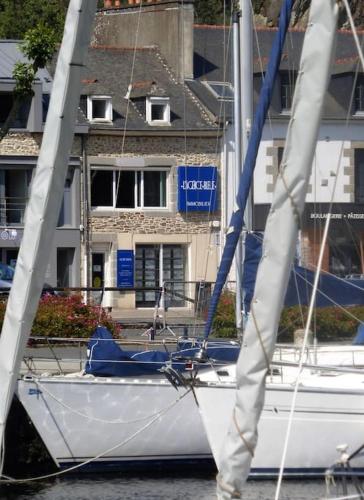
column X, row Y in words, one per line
column 20, row 144
column 193, row 151
column 143, row 224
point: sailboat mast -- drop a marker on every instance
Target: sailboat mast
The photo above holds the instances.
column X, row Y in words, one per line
column 238, row 163
column 278, row 248
column 243, row 111
column 246, row 72
column 45, row 200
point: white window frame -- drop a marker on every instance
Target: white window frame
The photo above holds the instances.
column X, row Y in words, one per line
column 222, row 84
column 137, row 208
column 161, row 101
column 108, row 108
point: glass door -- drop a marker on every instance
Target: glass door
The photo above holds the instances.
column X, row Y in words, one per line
column 147, row 274
column 174, row 274
column 156, row 264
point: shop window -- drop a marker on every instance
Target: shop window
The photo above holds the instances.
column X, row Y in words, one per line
column 158, row 264
column 344, row 258
column 129, row 189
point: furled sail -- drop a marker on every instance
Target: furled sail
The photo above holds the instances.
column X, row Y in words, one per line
column 278, row 248
column 237, row 218
column 45, row 199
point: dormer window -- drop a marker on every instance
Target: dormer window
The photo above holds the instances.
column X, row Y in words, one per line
column 158, row 111
column 99, row 108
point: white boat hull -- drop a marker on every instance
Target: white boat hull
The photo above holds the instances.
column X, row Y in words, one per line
column 121, row 422
column 73, row 417
column 324, row 418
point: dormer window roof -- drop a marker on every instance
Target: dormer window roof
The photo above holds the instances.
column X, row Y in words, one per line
column 158, row 111
column 99, row 108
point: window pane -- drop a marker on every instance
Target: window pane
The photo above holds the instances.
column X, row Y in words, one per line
column 101, row 188
column 139, row 186
column 125, row 189
column 158, row 111
column 359, row 94
column 224, row 91
column 98, row 108
column 6, row 102
column 148, row 274
column 16, row 195
column 155, row 189
column 359, row 175
column 288, row 81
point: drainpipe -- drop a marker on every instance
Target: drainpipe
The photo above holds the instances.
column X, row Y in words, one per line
column 85, row 196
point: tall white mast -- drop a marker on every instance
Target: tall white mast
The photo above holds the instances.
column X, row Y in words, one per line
column 243, row 112
column 278, row 248
column 45, row 199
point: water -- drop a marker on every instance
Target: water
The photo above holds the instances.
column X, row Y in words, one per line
column 112, row 487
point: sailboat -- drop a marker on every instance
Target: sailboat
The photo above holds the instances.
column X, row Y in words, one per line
column 328, row 405
column 101, row 421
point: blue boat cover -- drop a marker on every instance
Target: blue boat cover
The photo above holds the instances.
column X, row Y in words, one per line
column 359, row 338
column 332, row 290
column 107, row 359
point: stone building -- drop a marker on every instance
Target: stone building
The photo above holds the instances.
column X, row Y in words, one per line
column 150, row 189
column 153, row 158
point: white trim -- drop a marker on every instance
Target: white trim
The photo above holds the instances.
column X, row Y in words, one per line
column 108, row 108
column 162, row 101
column 136, row 208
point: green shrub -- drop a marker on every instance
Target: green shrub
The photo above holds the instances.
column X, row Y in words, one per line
column 67, row 316
column 224, row 319
column 328, row 323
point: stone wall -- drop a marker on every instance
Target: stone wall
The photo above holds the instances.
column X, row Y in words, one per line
column 180, row 151
column 22, row 143
column 186, row 151
column 142, row 223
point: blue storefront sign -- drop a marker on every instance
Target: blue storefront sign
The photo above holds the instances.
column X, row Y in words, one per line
column 197, row 189
column 125, row 268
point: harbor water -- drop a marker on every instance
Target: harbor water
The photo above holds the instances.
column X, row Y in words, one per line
column 172, row 487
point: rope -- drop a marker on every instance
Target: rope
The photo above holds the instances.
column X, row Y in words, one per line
column 82, row 464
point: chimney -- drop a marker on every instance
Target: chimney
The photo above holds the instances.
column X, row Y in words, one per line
column 166, row 23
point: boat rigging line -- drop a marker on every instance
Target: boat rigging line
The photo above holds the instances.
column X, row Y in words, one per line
column 11, row 480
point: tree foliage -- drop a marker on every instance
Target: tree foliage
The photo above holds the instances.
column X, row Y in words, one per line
column 19, row 16
column 38, row 46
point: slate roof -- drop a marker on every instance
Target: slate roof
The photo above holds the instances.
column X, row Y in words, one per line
column 212, row 62
column 110, row 70
column 9, row 55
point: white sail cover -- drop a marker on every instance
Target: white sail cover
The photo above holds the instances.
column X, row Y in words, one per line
column 278, row 248
column 45, row 199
